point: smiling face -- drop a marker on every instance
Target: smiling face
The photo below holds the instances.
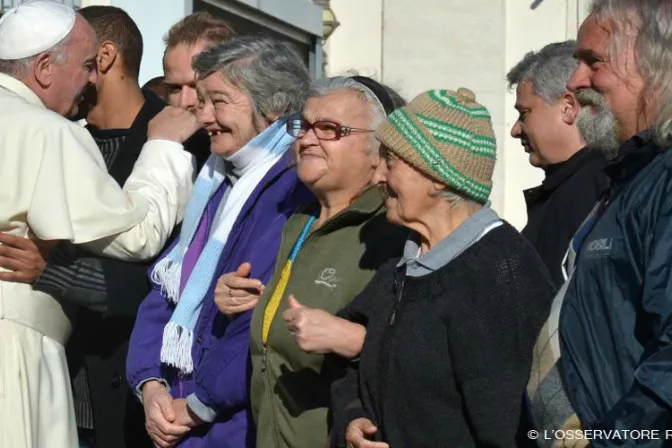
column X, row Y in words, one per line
column 344, row 164
column 227, row 113
column 410, row 195
column 63, row 84
column 615, row 77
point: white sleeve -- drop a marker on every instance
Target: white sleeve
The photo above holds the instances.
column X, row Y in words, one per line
column 75, row 199
column 162, row 177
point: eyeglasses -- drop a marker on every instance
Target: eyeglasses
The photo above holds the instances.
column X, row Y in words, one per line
column 324, row 130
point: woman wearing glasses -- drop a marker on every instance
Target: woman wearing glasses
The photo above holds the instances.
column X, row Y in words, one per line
column 329, row 252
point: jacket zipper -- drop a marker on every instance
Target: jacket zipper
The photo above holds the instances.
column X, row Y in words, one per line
column 264, row 360
column 269, row 396
column 180, row 384
column 399, row 286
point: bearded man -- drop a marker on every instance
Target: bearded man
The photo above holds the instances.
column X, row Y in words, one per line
column 612, row 320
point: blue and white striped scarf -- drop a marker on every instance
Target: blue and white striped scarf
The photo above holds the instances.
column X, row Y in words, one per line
column 178, row 334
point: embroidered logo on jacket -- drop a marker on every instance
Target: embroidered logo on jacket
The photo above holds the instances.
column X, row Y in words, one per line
column 328, row 278
column 601, row 245
column 599, row 248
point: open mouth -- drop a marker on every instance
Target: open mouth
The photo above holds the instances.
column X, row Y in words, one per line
column 386, row 192
column 216, row 132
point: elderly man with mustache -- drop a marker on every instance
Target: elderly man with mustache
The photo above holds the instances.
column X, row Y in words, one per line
column 611, row 323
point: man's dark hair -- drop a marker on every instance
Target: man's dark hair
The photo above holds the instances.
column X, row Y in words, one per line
column 196, row 27
column 115, row 25
column 158, row 86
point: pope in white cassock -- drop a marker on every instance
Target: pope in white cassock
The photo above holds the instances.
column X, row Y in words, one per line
column 54, row 186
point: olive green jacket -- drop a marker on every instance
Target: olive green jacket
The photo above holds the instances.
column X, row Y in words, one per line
column 290, row 388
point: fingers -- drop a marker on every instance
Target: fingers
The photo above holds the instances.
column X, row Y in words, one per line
column 230, row 305
column 244, row 270
column 357, row 431
column 15, row 277
column 170, row 431
column 173, row 123
column 16, row 241
column 247, row 285
column 165, row 405
column 369, row 428
column 291, row 318
column 369, row 444
column 293, row 303
column 244, row 306
column 163, row 431
column 229, row 309
column 10, row 263
column 14, row 252
column 162, row 440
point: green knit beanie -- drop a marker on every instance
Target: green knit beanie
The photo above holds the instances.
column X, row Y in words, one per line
column 448, row 136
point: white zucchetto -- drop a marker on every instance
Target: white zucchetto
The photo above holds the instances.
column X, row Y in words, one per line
column 34, row 27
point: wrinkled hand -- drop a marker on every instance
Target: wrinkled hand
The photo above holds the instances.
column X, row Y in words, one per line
column 173, row 123
column 235, row 292
column 24, row 257
column 160, row 417
column 313, row 329
column 357, row 433
column 183, row 415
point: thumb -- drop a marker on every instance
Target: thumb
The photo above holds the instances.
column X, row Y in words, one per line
column 244, row 269
column 294, row 304
column 369, row 429
column 166, row 406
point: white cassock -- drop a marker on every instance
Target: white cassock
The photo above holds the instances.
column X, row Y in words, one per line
column 54, row 183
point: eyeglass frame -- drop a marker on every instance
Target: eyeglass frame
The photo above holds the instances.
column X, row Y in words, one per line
column 341, row 130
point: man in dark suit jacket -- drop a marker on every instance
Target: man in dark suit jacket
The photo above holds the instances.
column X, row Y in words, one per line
column 549, row 128
column 108, row 291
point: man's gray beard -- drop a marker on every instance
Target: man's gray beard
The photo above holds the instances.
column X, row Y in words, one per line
column 597, row 123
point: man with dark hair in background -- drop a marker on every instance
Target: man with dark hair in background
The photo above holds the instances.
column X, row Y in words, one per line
column 158, row 86
column 108, row 291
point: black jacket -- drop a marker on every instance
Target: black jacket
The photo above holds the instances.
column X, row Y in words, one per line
column 557, row 207
column 100, row 338
column 447, row 355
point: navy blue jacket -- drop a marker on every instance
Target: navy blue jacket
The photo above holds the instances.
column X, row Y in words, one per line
column 616, row 320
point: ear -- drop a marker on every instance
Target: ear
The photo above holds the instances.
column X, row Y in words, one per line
column 570, row 108
column 437, row 187
column 43, row 68
column 107, row 56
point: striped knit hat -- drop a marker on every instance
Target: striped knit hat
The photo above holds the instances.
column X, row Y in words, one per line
column 448, row 136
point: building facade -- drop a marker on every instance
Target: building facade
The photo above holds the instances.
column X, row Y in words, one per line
column 297, row 21
column 415, row 45
column 412, row 45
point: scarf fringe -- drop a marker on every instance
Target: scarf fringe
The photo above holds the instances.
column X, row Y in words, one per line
column 178, row 333
column 167, row 273
column 176, row 347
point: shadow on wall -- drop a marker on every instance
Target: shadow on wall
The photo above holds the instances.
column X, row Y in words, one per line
column 535, row 4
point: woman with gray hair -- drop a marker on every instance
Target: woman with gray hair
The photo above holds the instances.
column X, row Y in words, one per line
column 187, row 362
column 450, row 326
column 330, row 250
